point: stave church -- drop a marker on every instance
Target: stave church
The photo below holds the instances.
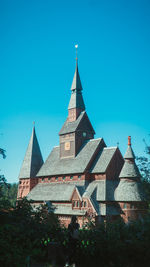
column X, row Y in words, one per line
column 82, row 176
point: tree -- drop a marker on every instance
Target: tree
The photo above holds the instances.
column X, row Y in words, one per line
column 144, row 167
column 2, row 152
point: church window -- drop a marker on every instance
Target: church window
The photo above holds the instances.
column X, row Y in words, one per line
column 64, row 177
column 85, row 204
column 49, row 178
column 56, row 178
column 79, row 176
column 74, row 203
column 43, row 179
column 71, row 177
column 84, row 134
column 78, row 204
column 124, row 205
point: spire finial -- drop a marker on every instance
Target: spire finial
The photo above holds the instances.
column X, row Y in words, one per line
column 76, row 46
column 129, row 140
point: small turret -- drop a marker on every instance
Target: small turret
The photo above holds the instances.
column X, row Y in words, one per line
column 130, row 193
column 129, row 170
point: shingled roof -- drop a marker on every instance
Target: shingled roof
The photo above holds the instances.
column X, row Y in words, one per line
column 51, row 192
column 70, row 127
column 129, row 191
column 66, row 209
column 129, row 153
column 104, row 190
column 129, row 170
column 76, row 83
column 100, row 191
column 33, row 158
column 56, row 166
column 103, row 160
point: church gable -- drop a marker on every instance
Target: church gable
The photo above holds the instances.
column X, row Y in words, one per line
column 115, row 165
column 86, row 126
column 76, row 195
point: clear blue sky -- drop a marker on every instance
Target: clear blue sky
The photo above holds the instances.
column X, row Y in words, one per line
column 37, row 63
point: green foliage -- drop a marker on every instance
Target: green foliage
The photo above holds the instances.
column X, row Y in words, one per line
column 26, row 231
column 144, row 167
column 9, row 194
column 23, row 231
column 3, row 153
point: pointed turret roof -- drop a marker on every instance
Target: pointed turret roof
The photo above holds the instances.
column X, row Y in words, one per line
column 76, row 100
column 129, row 153
column 33, row 158
column 129, row 170
column 130, row 190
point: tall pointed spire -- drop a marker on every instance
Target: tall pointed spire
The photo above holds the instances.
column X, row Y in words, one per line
column 76, row 100
column 76, row 83
column 33, row 158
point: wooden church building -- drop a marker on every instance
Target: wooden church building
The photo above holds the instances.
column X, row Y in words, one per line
column 82, row 176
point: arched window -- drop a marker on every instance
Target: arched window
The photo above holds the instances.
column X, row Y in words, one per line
column 84, row 204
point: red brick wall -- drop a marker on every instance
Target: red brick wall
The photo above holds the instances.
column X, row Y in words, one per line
column 73, row 114
column 133, row 210
column 25, row 186
column 99, row 176
column 61, row 178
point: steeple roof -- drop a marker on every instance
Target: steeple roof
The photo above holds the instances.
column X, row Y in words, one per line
column 76, row 83
column 76, row 100
column 33, row 158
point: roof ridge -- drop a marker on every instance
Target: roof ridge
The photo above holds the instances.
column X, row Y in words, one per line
column 94, row 139
column 111, row 147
